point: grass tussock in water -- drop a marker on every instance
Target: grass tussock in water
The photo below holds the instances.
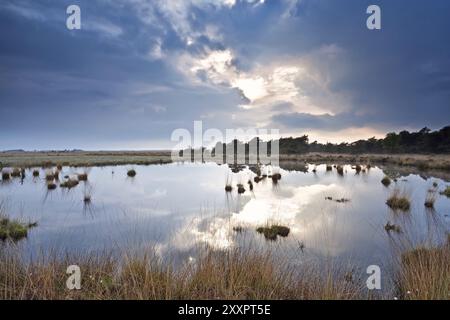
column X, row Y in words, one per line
column 392, row 227
column 16, row 173
column 425, row 273
column 51, row 186
column 6, row 176
column 240, row 188
column 272, row 232
column 69, row 183
column 386, row 181
column 398, row 201
column 446, row 192
column 50, row 176
column 35, row 173
column 430, row 200
column 14, row 230
column 82, row 177
column 233, row 274
column 131, row 173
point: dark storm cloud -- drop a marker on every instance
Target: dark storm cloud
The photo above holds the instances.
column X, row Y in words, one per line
column 117, row 83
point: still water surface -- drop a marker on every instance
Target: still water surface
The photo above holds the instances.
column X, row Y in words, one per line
column 175, row 207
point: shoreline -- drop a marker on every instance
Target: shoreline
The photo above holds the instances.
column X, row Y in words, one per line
column 423, row 162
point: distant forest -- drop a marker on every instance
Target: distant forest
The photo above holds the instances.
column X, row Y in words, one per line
column 422, row 141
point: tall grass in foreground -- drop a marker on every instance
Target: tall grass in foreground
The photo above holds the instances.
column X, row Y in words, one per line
column 234, row 274
column 424, row 273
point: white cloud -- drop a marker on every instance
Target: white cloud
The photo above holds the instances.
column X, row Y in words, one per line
column 24, row 10
column 104, row 27
column 263, row 86
column 156, row 52
column 179, row 14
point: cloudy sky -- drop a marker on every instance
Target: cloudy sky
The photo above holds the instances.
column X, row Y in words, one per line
column 138, row 69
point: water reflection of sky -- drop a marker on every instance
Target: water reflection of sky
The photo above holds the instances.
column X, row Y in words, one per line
column 178, row 206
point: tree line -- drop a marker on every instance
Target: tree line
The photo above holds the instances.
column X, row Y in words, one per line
column 422, row 141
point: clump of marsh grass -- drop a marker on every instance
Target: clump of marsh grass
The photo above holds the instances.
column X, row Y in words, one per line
column 51, row 186
column 69, row 183
column 392, row 227
column 6, row 176
column 49, row 176
column 272, row 232
column 398, row 201
column 16, row 173
column 11, row 229
column 446, row 192
column 358, row 168
column 329, row 167
column 340, row 170
column 257, row 179
column 87, row 198
column 82, row 176
column 386, row 181
column 424, row 273
column 35, row 173
column 241, row 188
column 131, row 173
column 228, row 188
column 342, row 200
column 430, row 199
column 276, row 177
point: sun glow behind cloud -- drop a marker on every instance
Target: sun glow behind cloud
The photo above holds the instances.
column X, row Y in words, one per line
column 154, row 65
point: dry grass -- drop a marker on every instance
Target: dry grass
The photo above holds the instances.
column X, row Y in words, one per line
column 421, row 161
column 425, row 274
column 234, row 274
column 430, row 199
column 399, row 201
column 69, row 183
column 82, row 158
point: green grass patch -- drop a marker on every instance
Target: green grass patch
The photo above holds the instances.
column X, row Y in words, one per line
column 13, row 229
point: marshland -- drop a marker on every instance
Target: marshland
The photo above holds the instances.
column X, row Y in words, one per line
column 164, row 230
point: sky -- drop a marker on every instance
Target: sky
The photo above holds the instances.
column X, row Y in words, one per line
column 139, row 69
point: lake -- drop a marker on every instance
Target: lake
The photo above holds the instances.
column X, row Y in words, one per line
column 176, row 207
